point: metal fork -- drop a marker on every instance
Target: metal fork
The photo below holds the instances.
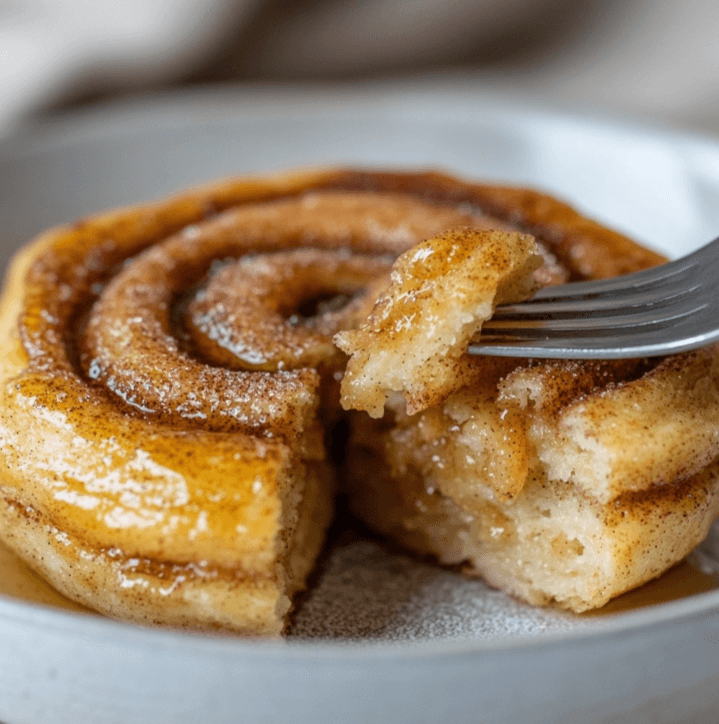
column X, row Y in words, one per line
column 667, row 309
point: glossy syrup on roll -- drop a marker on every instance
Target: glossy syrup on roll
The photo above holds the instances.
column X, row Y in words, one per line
column 134, row 308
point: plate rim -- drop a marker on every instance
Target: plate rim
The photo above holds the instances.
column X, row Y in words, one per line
column 222, row 104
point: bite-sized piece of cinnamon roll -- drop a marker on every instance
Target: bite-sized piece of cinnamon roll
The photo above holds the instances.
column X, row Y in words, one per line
column 441, row 292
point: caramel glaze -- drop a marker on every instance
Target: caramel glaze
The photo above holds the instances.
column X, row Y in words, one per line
column 96, row 360
column 177, row 250
column 685, row 579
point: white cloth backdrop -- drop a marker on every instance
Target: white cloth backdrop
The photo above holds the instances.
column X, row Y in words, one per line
column 650, row 57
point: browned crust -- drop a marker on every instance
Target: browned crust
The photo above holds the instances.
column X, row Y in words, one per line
column 587, row 248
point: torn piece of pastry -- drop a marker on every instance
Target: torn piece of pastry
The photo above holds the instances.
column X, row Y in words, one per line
column 441, row 292
column 169, row 385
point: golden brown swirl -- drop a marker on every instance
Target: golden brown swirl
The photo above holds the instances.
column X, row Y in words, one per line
column 133, row 269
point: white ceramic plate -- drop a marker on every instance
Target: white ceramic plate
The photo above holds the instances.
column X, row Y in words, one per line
column 432, row 647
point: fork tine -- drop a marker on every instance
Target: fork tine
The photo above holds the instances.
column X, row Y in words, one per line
column 671, row 308
column 677, row 335
column 582, row 348
column 671, row 272
column 591, row 324
column 658, row 286
column 626, row 299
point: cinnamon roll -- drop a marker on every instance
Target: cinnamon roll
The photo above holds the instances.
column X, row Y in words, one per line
column 170, row 377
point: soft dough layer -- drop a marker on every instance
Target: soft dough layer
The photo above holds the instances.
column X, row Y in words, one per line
column 550, row 544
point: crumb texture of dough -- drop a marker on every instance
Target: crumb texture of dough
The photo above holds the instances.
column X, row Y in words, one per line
column 441, row 292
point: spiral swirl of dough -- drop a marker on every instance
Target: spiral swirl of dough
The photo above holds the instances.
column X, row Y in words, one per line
column 143, row 262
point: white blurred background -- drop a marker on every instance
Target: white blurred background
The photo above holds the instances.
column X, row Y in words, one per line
column 655, row 59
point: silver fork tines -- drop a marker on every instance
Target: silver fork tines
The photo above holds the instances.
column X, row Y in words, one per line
column 667, row 309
